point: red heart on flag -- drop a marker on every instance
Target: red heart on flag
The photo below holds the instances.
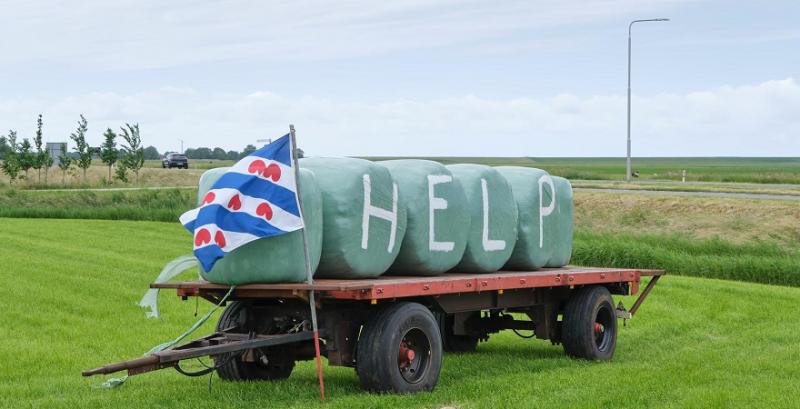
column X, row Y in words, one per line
column 264, row 210
column 273, row 171
column 257, row 166
column 210, row 196
column 235, row 203
column 219, row 238
column 202, row 237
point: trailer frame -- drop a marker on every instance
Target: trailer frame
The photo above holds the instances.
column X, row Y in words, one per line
column 467, row 308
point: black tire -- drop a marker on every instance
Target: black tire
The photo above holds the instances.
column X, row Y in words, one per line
column 457, row 343
column 383, row 361
column 232, row 368
column 589, row 329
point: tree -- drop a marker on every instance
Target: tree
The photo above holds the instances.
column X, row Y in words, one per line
column 151, row 153
column 232, row 155
column 38, row 160
column 25, row 156
column 64, row 163
column 4, row 148
column 202, row 153
column 134, row 154
column 10, row 164
column 247, row 150
column 108, row 150
column 48, row 163
column 83, row 150
column 219, row 154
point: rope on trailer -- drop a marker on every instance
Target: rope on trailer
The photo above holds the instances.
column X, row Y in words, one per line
column 523, row 336
column 115, row 382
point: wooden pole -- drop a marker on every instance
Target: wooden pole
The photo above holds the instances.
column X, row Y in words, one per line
column 309, row 273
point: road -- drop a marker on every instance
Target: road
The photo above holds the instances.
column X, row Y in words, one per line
column 700, row 194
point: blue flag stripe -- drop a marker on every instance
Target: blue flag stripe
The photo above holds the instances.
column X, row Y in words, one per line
column 254, row 187
column 279, row 150
column 208, row 256
column 237, row 222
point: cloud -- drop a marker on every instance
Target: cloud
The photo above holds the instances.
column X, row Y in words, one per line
column 757, row 120
column 143, row 34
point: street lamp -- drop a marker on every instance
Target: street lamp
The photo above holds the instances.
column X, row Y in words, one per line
column 628, row 160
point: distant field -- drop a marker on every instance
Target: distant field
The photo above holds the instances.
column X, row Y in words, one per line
column 694, row 343
column 753, row 170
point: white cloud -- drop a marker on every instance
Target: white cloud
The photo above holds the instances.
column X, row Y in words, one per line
column 744, row 120
column 141, row 34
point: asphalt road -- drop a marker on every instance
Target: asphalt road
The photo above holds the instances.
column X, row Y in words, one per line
column 700, row 194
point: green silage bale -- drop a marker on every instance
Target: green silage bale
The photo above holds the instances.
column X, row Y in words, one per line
column 271, row 259
column 438, row 217
column 562, row 244
column 493, row 230
column 544, row 204
column 364, row 217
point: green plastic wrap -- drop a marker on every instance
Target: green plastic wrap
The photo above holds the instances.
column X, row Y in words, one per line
column 493, row 230
column 271, row 259
column 364, row 217
column 438, row 217
column 544, row 236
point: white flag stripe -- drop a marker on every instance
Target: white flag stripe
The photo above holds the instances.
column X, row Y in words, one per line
column 232, row 239
column 286, row 179
column 247, row 204
column 189, row 216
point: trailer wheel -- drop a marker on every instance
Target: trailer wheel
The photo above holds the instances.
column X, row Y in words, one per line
column 230, row 367
column 400, row 350
column 590, row 324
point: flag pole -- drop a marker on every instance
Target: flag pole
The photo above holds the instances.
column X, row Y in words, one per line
column 309, row 273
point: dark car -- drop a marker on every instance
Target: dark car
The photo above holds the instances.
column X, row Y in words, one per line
column 175, row 160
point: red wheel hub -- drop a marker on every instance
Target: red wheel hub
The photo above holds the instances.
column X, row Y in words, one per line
column 406, row 355
column 599, row 328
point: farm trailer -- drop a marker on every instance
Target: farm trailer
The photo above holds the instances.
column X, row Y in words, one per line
column 394, row 329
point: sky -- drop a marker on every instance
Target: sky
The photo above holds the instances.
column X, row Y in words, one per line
column 414, row 78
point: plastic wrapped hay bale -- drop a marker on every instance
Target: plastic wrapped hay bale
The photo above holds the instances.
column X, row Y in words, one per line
column 438, row 217
column 562, row 233
column 364, row 217
column 544, row 203
column 271, row 259
column 493, row 230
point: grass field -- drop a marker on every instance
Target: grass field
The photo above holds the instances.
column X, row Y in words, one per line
column 720, row 170
column 752, row 170
column 70, row 305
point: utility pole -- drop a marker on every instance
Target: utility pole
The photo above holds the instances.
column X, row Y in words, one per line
column 628, row 158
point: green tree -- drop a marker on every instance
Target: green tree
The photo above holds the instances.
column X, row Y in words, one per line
column 82, row 148
column 219, row 154
column 39, row 156
column 108, row 151
column 134, row 153
column 232, row 155
column 10, row 165
column 4, row 148
column 151, row 153
column 64, row 163
column 247, row 150
column 25, row 156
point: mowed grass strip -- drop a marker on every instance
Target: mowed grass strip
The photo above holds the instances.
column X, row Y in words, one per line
column 72, row 286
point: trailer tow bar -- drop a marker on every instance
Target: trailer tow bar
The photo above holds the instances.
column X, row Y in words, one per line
column 628, row 314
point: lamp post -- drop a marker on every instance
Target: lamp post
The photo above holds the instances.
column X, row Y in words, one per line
column 628, row 158
column 181, row 145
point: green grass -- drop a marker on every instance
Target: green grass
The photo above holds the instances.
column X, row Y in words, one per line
column 154, row 205
column 716, row 169
column 72, row 285
column 759, row 261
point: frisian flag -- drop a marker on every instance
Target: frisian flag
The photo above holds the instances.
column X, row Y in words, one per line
column 255, row 198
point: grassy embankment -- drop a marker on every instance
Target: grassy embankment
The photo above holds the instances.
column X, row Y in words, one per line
column 73, row 285
column 749, row 240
